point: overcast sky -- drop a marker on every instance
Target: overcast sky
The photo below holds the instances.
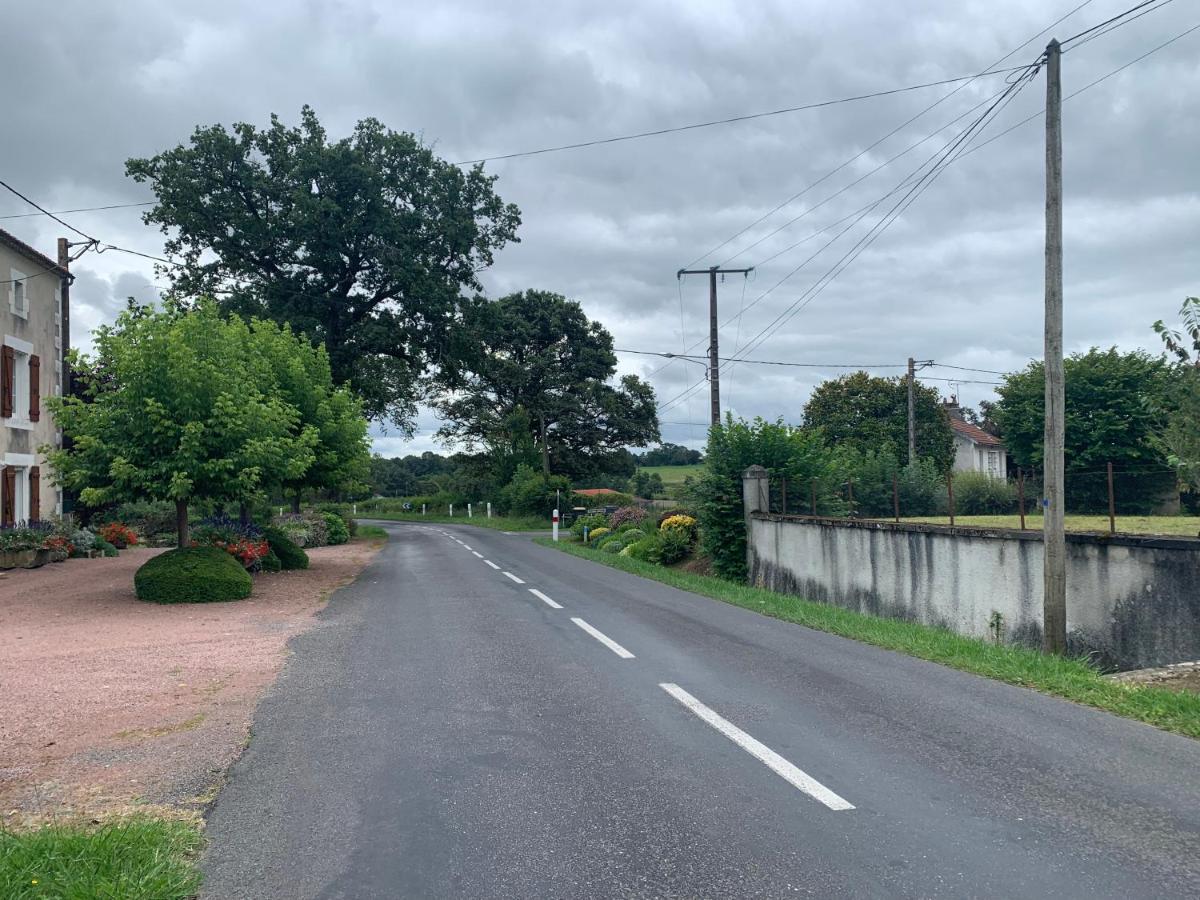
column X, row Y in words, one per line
column 957, row 278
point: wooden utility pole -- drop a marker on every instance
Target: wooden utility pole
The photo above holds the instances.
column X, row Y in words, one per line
column 1054, row 609
column 714, row 361
column 912, row 405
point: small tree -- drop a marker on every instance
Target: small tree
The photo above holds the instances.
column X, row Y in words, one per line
column 341, row 456
column 793, row 453
column 184, row 412
column 1180, row 438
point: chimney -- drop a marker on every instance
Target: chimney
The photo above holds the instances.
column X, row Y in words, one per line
column 952, row 409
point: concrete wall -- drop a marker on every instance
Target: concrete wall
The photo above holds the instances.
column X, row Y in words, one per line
column 1134, row 602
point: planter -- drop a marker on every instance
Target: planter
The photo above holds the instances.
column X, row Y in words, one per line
column 40, row 558
column 18, row 559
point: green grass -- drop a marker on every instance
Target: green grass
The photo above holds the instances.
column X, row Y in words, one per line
column 480, row 520
column 134, row 859
column 1188, row 526
column 673, row 474
column 370, row 533
column 1071, row 679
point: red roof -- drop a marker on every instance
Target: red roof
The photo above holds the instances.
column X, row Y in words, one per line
column 973, row 433
column 596, row 492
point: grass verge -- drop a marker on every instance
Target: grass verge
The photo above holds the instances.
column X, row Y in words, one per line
column 1184, row 526
column 135, row 859
column 499, row 523
column 370, row 533
column 1071, row 679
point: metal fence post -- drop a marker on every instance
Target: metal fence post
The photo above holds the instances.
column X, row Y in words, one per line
column 1021, row 495
column 950, row 491
column 1112, row 503
column 895, row 497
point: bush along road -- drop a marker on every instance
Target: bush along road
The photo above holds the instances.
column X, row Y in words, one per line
column 482, row 716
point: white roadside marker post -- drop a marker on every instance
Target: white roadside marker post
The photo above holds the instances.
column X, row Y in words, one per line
column 554, row 522
column 422, row 509
column 452, row 510
column 489, row 509
column 470, row 515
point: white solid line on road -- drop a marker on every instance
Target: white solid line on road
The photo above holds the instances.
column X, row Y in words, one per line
column 477, row 553
column 604, row 639
column 492, row 564
column 513, row 577
column 545, row 599
column 776, row 763
column 510, row 532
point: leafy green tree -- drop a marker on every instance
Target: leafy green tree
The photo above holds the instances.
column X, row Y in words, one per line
column 538, row 354
column 667, row 454
column 183, row 411
column 1113, row 412
column 341, row 462
column 1180, row 438
column 646, row 484
column 364, row 244
column 797, row 454
column 871, row 414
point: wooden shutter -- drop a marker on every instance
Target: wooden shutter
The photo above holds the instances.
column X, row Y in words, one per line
column 8, row 490
column 7, row 363
column 35, row 493
column 35, row 388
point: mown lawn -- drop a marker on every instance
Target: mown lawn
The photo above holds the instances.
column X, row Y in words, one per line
column 134, row 859
column 1071, row 679
column 1187, row 526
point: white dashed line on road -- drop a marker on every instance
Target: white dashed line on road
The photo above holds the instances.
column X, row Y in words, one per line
column 604, row 639
column 764, row 754
column 492, row 564
column 467, row 547
column 545, row 599
column 513, row 577
column 477, row 553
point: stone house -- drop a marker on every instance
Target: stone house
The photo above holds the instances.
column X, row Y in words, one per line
column 34, row 319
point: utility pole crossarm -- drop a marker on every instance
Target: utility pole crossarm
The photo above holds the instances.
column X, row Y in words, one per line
column 714, row 377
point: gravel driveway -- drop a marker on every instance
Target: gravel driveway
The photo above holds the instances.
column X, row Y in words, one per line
column 106, row 701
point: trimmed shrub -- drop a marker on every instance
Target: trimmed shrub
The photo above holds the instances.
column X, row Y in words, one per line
column 118, row 534
column 674, row 511
column 648, row 549
column 614, row 545
column 105, row 547
column 608, row 538
column 335, row 527
column 598, row 534
column 270, row 562
column 192, row 575
column 289, row 555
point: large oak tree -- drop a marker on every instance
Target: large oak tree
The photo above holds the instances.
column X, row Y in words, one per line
column 365, row 244
column 539, row 360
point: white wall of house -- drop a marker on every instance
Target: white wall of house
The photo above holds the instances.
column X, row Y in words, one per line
column 31, row 324
column 972, row 457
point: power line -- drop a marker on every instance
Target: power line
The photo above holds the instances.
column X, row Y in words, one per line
column 947, row 155
column 47, row 212
column 966, row 81
column 1116, row 19
column 1028, row 119
column 733, row 119
column 63, row 212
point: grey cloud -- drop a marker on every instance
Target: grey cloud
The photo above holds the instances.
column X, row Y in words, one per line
column 957, row 278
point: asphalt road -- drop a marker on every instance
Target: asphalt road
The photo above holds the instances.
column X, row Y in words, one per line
column 478, row 716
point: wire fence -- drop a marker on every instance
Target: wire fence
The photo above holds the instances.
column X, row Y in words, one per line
column 1112, row 491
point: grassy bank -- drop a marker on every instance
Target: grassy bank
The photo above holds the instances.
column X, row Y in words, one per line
column 1185, row 526
column 370, row 533
column 135, row 859
column 1071, row 679
column 500, row 523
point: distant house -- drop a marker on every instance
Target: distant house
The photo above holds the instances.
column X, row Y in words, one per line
column 974, row 449
column 33, row 311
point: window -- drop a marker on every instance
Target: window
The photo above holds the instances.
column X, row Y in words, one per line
column 993, row 463
column 18, row 294
column 20, row 384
